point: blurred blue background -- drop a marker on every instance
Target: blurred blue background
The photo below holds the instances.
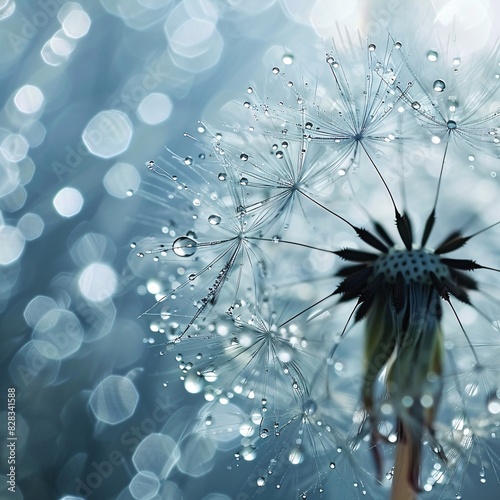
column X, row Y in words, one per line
column 89, row 93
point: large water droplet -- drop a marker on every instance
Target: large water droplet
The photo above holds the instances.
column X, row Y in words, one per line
column 248, row 453
column 188, row 160
column 214, row 220
column 432, row 56
column 372, row 47
column 310, row 407
column 194, row 383
column 439, row 86
column 296, row 456
column 184, row 246
column 494, row 403
column 222, row 176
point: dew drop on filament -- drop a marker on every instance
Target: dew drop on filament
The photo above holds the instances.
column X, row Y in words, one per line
column 432, row 56
column 309, row 407
column 439, row 86
column 184, row 246
column 214, row 220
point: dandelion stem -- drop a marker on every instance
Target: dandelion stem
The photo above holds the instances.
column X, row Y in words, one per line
column 401, row 488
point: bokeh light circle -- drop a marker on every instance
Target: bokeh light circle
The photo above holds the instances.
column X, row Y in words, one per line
column 98, row 282
column 114, row 399
column 108, row 133
column 68, row 202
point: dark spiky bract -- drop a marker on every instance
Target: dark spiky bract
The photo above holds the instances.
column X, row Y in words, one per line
column 399, row 291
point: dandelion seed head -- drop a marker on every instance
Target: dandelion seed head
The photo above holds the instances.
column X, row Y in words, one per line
column 415, row 265
column 249, row 266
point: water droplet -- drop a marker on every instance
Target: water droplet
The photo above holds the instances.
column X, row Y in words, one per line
column 284, row 144
column 246, row 104
column 243, row 157
column 276, row 70
column 456, row 61
column 276, row 239
column 150, row 164
column 264, row 433
column 133, row 244
column 330, row 59
column 222, row 176
column 261, row 481
column 397, row 45
column 439, row 86
column 309, row 125
column 130, row 192
column 296, row 456
column 248, row 453
column 415, row 105
column 432, row 56
column 184, row 246
column 332, row 465
column 279, row 154
column 493, row 403
column 451, row 124
column 201, row 156
column 249, row 90
column 214, row 220
column 372, row 47
column 310, row 407
column 288, row 59
column 188, row 160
